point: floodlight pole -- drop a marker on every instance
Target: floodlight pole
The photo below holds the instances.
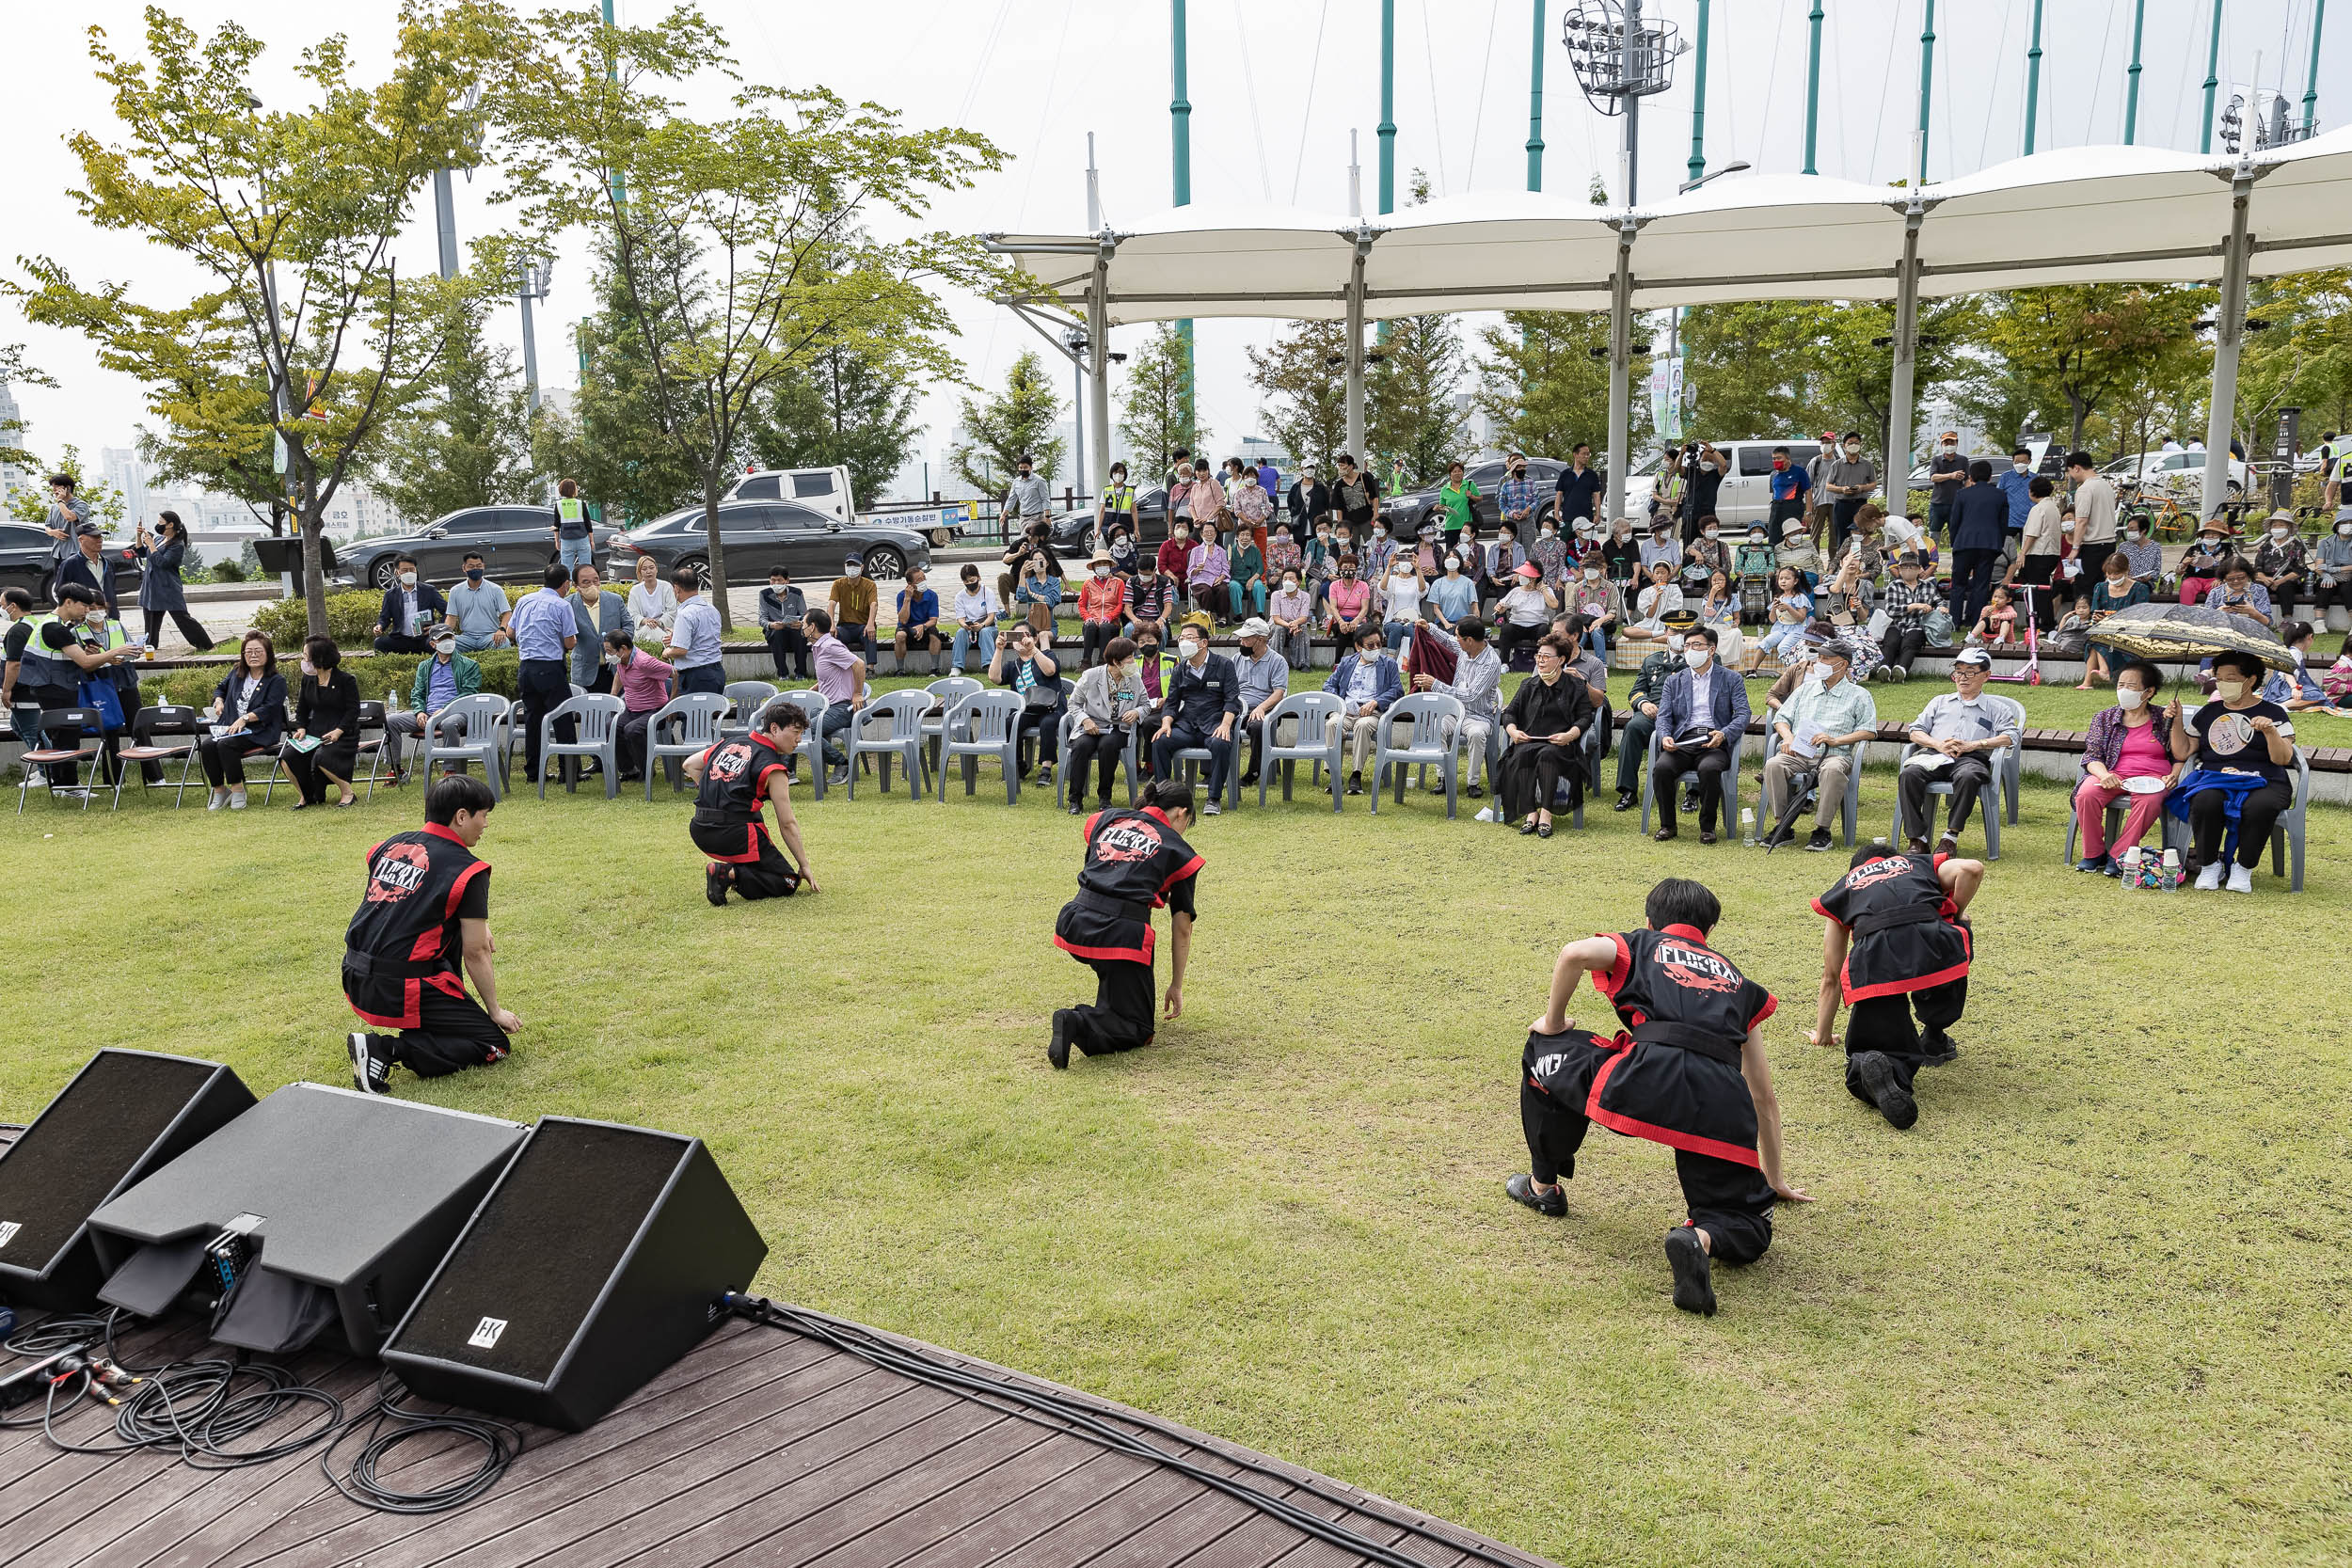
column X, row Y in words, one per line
column 2034, row 77
column 1621, row 361
column 1387, row 131
column 1698, row 164
column 2311, row 85
column 1098, row 328
column 1927, row 64
column 1629, row 139
column 2131, row 90
column 1535, row 103
column 1813, row 84
column 2213, row 79
column 445, row 221
column 2229, row 332
column 534, row 286
column 1898, row 400
column 1180, row 134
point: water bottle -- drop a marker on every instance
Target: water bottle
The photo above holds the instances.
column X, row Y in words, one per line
column 2172, row 869
column 2131, row 866
column 1747, row 826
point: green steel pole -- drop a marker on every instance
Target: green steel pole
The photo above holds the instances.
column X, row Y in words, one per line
column 2311, row 85
column 2033, row 77
column 1698, row 101
column 1535, row 103
column 1180, row 131
column 1927, row 63
column 612, row 74
column 2213, row 79
column 1388, row 105
column 2131, row 92
column 1813, row 89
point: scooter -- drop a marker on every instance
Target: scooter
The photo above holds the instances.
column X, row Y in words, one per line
column 2031, row 673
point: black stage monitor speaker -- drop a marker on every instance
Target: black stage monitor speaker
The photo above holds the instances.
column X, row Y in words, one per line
column 124, row 1114
column 318, row 1206
column 601, row 1256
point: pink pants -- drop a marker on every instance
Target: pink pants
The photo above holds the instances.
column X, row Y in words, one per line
column 2092, row 799
column 2193, row 590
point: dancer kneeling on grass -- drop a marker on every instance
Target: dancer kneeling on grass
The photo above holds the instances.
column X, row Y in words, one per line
column 1687, row 1069
column 1136, row 860
column 1894, row 945
column 734, row 778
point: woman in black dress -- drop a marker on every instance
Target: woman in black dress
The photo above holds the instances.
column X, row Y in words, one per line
column 1545, row 725
column 326, row 710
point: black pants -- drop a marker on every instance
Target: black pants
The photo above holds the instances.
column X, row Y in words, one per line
column 1710, row 762
column 1530, row 774
column 190, row 627
column 388, row 644
column 2093, row 561
column 1971, row 584
column 1731, row 1202
column 2324, row 595
column 629, row 740
column 1841, row 522
column 788, row 647
column 309, row 769
column 1183, row 738
column 1632, row 748
column 2036, row 571
column 223, row 758
column 1104, row 751
column 1045, row 725
column 1939, row 519
column 2257, row 814
column 452, row 1033
column 543, row 686
column 2283, row 596
column 1782, row 511
column 1967, row 776
column 771, row 876
column 1883, row 1024
column 1904, row 642
column 1514, row 637
column 1098, row 636
column 1122, row 1018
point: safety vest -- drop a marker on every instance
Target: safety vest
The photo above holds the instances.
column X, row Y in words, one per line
column 40, row 667
column 1120, row 498
column 570, row 511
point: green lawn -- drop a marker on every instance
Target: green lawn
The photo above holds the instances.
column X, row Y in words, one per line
column 2089, row 1310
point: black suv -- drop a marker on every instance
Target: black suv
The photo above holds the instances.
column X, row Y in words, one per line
column 1416, row 507
column 516, row 544
column 759, row 534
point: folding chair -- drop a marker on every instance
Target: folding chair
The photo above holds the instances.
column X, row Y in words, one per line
column 66, row 730
column 1314, row 742
column 901, row 718
column 984, row 724
column 1127, row 759
column 481, row 723
column 371, row 715
column 1435, row 721
column 697, row 716
column 145, row 726
column 598, row 737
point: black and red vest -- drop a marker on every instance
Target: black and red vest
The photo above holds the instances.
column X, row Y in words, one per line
column 1133, row 859
column 1673, row 979
column 734, row 789
column 404, row 934
column 1907, row 936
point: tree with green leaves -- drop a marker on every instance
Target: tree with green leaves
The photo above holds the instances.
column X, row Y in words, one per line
column 1307, row 406
column 2301, row 355
column 610, row 438
column 844, row 409
column 2082, row 344
column 31, row 504
column 1154, row 401
column 1542, row 387
column 738, row 244
column 1410, row 412
column 1008, row 425
column 289, row 218
column 466, row 440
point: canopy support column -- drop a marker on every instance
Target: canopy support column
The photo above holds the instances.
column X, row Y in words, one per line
column 1099, row 364
column 1898, row 398
column 2228, row 332
column 1621, row 368
column 1356, row 350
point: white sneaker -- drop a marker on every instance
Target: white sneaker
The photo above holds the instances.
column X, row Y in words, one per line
column 2241, row 879
column 236, row 802
column 2209, row 879
column 219, row 798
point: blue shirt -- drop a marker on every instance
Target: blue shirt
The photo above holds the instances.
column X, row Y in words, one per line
column 2013, row 484
column 1455, row 597
column 923, row 608
column 695, row 630
column 1789, row 482
column 541, row 620
column 440, row 687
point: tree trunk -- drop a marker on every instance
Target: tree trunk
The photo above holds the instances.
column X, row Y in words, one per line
column 717, row 553
column 2082, row 416
column 314, row 579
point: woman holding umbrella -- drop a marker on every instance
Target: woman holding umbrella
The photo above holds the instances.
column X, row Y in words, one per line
column 2241, row 748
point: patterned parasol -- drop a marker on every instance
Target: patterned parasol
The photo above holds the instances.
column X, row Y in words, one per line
column 2167, row 630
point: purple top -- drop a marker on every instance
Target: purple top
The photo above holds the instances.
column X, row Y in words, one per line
column 836, row 678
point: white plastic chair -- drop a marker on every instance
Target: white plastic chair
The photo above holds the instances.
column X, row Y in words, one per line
column 481, row 723
column 984, row 724
column 811, row 750
column 747, row 698
column 1314, row 741
column 1435, row 721
column 901, row 716
column 599, row 731
column 698, row 715
column 945, row 692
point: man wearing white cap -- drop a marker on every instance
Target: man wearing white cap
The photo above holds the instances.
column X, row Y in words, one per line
column 1960, row 737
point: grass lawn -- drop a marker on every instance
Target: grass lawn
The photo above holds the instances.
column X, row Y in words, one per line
column 2089, row 1310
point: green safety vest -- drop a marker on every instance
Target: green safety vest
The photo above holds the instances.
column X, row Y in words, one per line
column 40, row 667
column 570, row 510
column 1119, row 498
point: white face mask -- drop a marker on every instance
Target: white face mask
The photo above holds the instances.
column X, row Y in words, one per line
column 2277, row 533
column 2344, row 529
column 306, row 668
column 1101, row 572
column 1854, row 449
column 1950, row 446
column 1188, row 648
column 446, row 647
column 852, row 570
column 1674, row 641
column 1453, row 562
column 1711, row 533
column 2014, row 468
column 2135, row 535
column 1290, row 585
column 2229, row 691
column 408, row 579
column 1694, row 658
column 2209, row 543
column 2130, row 699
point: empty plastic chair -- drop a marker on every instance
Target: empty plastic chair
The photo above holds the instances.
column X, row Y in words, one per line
column 69, row 736
column 984, row 724
column 598, row 737
column 747, row 698
column 811, row 750
column 1313, row 741
column 891, row 727
column 696, row 716
column 1435, row 721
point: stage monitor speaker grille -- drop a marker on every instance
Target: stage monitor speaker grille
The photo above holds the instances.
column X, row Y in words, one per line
column 601, row 1256
column 124, row 1114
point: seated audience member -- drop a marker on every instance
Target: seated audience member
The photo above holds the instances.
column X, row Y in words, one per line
column 1452, row 598
column 1720, row 608
column 2237, row 594
column 1911, row 599
column 439, row 681
column 1265, row 680
column 1544, row 725
column 782, row 609
column 1120, row 545
column 1109, row 701
column 841, row 681
column 53, row 660
column 1653, row 604
column 1101, row 606
column 854, row 608
column 1290, row 621
column 1208, row 568
column 975, row 609
column 404, row 624
column 2201, row 563
column 1791, row 611
column 2071, row 637
column 2241, row 749
column 652, row 603
column 1283, row 556
column 1701, row 715
column 1175, row 550
column 1996, row 622
column 1960, row 738
column 1025, row 663
column 1797, row 550
column 327, row 713
column 1599, row 601
column 1245, row 589
column 1400, row 599
column 1202, row 710
column 1348, row 602
column 1706, row 554
column 1368, row 683
column 248, row 715
column 1821, row 728
column 479, row 612
column 2116, row 588
column 1151, row 603
column 918, row 623
column 2278, row 562
column 642, row 681
column 1660, row 548
column 2331, row 569
column 1649, row 685
column 1477, row 685
column 1523, row 615
column 2142, row 556
column 596, row 612
column 2298, row 689
column 1621, row 554
column 2132, row 740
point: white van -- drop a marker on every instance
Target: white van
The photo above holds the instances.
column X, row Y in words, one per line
column 1746, row 496
column 826, row 489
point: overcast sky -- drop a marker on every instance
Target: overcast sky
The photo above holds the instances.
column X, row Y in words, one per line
column 1276, row 85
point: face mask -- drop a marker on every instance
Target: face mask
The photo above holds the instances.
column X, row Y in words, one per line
column 1453, row 562
column 2209, row 543
column 1694, row 657
column 1711, row 533
column 1779, row 463
column 473, row 574
column 852, row 570
column 1323, row 535
column 446, row 647
column 1549, row 530
column 1282, row 536
column 2135, row 535
column 2277, row 533
column 1183, row 533
column 408, row 579
column 306, row 668
column 1950, row 446
column 2014, row 468
column 1520, row 472
column 2129, row 698
column 2344, row 531
column 1854, row 449
column 1674, row 641
column 2230, row 691
column 1102, row 572
column 1290, row 585
column 1188, row 648
column 2067, row 526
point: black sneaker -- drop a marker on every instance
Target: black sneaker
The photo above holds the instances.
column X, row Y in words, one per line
column 1627, row 800
column 1355, row 784
column 1819, row 842
column 715, row 883
column 1878, row 1080
column 370, row 1063
column 1522, row 1188
column 1694, row 1286
column 1057, row 1053
column 1937, row 1048
column 1779, row 836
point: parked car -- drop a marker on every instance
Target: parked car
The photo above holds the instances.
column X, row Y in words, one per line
column 1072, row 529
column 825, row 489
column 26, row 554
column 516, row 544
column 2176, row 472
column 1415, row 506
column 759, row 534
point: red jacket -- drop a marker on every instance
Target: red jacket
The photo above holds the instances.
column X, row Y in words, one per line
column 1171, row 557
column 1102, row 598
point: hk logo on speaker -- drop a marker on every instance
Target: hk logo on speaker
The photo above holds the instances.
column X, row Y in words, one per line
column 486, row 1334
column 8, row 1231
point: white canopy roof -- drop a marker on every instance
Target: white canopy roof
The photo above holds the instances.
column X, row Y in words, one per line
column 2077, row 214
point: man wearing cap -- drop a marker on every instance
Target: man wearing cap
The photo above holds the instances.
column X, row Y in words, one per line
column 1947, row 471
column 88, row 566
column 1101, row 607
column 1820, row 726
column 1958, row 736
column 918, row 622
column 852, row 606
column 1264, row 679
column 67, row 515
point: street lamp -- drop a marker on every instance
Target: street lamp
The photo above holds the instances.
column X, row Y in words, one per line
column 533, row 285
column 1688, row 185
column 1674, row 327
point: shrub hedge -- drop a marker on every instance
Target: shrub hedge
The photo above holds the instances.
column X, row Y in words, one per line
column 375, row 674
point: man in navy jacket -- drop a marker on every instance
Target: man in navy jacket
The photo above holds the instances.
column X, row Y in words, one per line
column 1701, row 716
column 411, row 606
column 1979, row 518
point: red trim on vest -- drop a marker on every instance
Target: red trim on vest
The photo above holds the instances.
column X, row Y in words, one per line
column 1610, row 980
column 440, row 830
column 1821, row 910
column 1131, row 955
column 1179, row 875
column 408, row 1020
column 1771, row 1005
column 1086, row 832
column 751, row 835
column 1618, row 1122
column 457, row 885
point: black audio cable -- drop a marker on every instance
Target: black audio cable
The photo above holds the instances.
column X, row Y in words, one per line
column 1059, row 1412
column 390, row 1424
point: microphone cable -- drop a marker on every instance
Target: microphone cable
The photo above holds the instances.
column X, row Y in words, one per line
column 390, row 1424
